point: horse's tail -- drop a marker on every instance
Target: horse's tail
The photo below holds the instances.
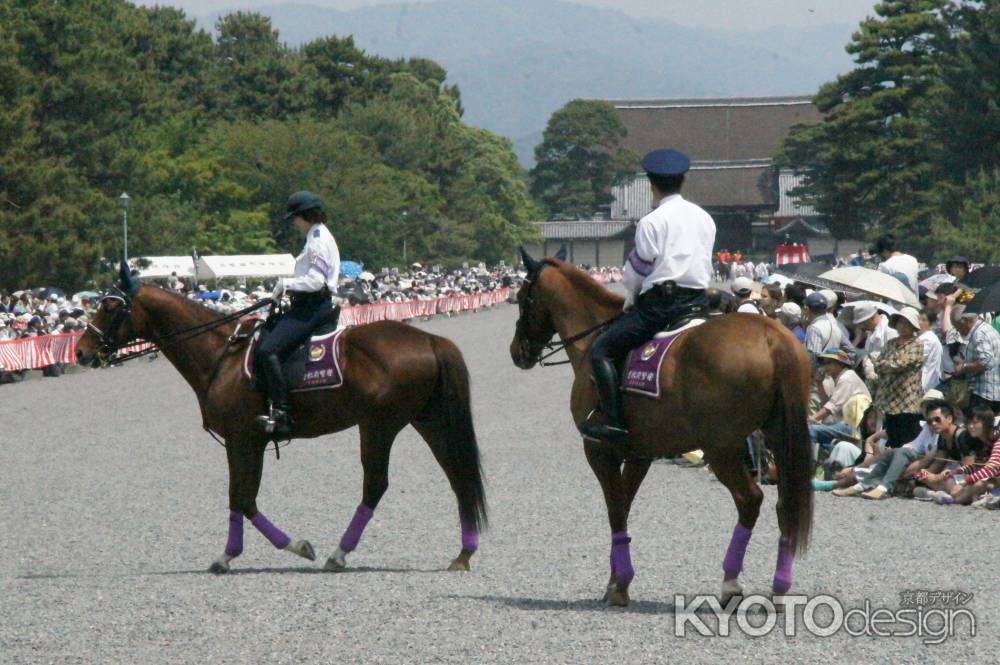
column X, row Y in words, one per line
column 451, row 409
column 793, row 448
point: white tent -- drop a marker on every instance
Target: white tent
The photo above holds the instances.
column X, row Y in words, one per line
column 163, row 266
column 246, row 265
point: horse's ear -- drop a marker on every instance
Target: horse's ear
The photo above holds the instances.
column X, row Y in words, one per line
column 530, row 264
column 129, row 284
column 562, row 253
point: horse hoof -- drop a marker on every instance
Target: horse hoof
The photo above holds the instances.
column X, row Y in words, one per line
column 219, row 567
column 730, row 589
column 614, row 596
column 335, row 565
column 459, row 565
column 304, row 549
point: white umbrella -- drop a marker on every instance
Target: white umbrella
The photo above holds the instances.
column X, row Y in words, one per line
column 366, row 277
column 873, row 282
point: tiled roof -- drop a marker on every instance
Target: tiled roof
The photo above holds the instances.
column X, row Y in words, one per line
column 582, row 229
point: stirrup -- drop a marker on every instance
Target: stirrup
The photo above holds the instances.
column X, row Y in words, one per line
column 601, row 431
column 276, row 419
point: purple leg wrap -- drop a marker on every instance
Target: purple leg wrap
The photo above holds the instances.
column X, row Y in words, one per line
column 470, row 538
column 621, row 560
column 733, row 563
column 277, row 537
column 234, row 546
column 357, row 526
column 783, row 572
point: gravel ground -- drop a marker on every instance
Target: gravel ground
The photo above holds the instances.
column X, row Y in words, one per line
column 108, row 534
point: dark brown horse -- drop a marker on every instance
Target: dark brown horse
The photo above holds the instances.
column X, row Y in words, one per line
column 725, row 379
column 394, row 375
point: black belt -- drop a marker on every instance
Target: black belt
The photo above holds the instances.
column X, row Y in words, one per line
column 670, row 290
column 309, row 297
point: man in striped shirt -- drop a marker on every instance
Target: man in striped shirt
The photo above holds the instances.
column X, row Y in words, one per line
column 982, row 358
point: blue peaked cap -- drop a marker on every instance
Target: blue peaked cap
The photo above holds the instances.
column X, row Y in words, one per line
column 666, row 162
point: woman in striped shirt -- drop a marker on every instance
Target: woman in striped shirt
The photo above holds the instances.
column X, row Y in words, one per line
column 979, row 477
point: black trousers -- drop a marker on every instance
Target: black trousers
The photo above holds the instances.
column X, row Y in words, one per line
column 291, row 330
column 652, row 313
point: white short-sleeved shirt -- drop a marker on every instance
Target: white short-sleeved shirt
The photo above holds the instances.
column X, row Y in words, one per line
column 878, row 338
column 672, row 243
column 319, row 263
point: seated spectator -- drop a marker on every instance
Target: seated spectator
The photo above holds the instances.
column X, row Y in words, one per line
column 830, row 421
column 976, row 478
column 790, row 315
column 743, row 290
column 770, row 299
column 973, row 448
column 910, row 457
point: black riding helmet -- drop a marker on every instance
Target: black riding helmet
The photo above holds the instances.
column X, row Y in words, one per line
column 299, row 202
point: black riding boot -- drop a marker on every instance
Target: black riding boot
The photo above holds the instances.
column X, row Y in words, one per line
column 278, row 423
column 609, row 392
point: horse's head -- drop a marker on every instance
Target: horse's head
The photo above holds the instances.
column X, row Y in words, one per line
column 112, row 325
column 534, row 326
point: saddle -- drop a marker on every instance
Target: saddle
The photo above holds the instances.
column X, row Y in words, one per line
column 313, row 365
column 641, row 374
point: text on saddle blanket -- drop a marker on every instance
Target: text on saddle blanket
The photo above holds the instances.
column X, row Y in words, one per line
column 321, row 369
column 643, row 365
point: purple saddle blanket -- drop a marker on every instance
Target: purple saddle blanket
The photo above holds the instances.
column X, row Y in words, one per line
column 643, row 365
column 317, row 369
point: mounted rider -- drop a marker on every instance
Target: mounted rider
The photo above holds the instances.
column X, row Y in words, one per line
column 665, row 276
column 317, row 271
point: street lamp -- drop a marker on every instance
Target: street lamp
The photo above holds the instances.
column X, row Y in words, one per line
column 123, row 201
column 405, row 213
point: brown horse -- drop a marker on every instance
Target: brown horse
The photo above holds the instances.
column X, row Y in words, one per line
column 725, row 379
column 394, row 375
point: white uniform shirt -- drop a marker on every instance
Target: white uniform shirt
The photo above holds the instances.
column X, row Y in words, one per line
column 318, row 265
column 903, row 264
column 931, row 372
column 674, row 242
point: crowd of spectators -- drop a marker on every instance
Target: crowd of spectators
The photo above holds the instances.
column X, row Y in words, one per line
column 42, row 312
column 903, row 401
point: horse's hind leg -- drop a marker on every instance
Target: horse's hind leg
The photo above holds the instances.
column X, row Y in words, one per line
column 436, row 435
column 728, row 466
column 376, row 442
column 246, row 464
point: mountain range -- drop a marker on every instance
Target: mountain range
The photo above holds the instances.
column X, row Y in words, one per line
column 517, row 61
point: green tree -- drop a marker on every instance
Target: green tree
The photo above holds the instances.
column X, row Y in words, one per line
column 969, row 218
column 580, row 158
column 867, row 162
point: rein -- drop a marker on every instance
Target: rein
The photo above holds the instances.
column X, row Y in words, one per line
column 175, row 337
column 551, row 347
column 555, row 347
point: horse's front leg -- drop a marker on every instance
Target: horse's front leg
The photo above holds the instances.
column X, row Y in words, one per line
column 246, row 464
column 607, row 468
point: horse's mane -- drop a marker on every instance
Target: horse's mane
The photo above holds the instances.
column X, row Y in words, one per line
column 584, row 282
column 202, row 314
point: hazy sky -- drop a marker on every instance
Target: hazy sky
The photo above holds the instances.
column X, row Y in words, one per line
column 728, row 14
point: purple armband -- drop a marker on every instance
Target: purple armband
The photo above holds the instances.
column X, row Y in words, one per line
column 639, row 265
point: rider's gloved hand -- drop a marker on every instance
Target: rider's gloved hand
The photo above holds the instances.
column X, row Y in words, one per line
column 629, row 301
column 279, row 289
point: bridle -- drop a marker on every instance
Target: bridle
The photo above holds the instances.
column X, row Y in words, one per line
column 535, row 349
column 106, row 346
